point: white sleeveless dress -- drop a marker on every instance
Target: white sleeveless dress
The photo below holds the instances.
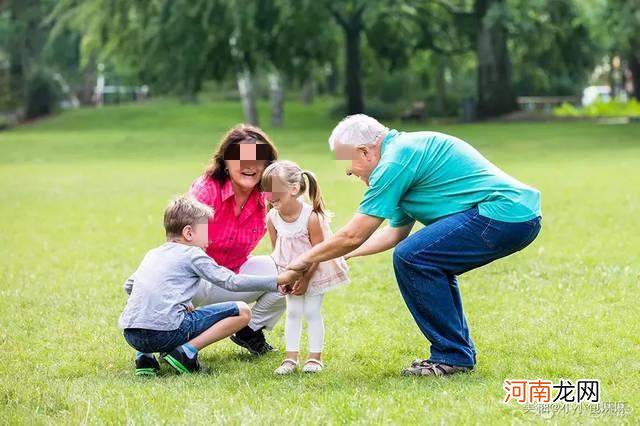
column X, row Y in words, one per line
column 293, row 240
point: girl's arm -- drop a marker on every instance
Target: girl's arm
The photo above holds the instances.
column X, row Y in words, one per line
column 273, row 234
column 382, row 240
column 316, row 236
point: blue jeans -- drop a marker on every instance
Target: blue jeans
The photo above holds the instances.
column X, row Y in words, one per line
column 193, row 324
column 427, row 263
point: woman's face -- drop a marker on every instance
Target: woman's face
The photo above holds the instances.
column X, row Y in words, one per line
column 245, row 162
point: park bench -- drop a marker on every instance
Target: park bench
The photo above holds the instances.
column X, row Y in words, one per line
column 545, row 103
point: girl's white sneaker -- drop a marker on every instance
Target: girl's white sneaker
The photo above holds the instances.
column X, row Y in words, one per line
column 288, row 366
column 312, row 366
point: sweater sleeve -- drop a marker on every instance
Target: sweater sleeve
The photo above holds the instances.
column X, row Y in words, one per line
column 128, row 284
column 208, row 269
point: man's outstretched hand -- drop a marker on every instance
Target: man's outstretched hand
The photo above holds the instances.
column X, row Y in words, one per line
column 299, row 265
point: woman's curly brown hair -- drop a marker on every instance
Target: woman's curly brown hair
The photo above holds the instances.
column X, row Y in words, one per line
column 241, row 133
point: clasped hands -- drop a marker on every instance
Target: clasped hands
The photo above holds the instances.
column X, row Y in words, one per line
column 293, row 280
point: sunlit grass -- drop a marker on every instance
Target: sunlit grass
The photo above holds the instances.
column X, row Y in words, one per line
column 81, row 199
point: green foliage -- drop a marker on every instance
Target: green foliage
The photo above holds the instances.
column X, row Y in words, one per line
column 382, row 110
column 172, row 45
column 552, row 47
column 4, row 122
column 613, row 108
column 26, row 49
column 43, row 94
column 374, row 107
column 407, row 46
column 617, row 23
column 176, row 45
column 294, row 37
column 392, row 38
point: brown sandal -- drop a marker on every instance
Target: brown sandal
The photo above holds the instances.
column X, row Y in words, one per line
column 436, row 369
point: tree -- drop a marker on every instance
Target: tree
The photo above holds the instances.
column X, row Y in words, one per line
column 552, row 46
column 622, row 20
column 292, row 40
column 35, row 69
column 176, row 45
column 422, row 39
column 349, row 16
column 395, row 30
column 24, row 42
column 495, row 86
column 485, row 26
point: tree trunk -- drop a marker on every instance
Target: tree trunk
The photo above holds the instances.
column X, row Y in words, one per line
column 247, row 95
column 190, row 90
column 352, row 26
column 441, row 86
column 16, row 78
column 307, row 93
column 353, row 83
column 332, row 79
column 85, row 89
column 634, row 67
column 17, row 50
column 276, row 98
column 496, row 95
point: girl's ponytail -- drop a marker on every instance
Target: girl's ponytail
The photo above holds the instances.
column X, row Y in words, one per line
column 314, row 193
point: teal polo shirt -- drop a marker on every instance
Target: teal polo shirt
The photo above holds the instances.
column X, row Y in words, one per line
column 425, row 176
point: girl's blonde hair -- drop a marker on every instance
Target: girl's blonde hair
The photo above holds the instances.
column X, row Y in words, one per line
column 292, row 174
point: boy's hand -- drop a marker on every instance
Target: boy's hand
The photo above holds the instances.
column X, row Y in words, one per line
column 288, row 277
column 300, row 287
column 284, row 289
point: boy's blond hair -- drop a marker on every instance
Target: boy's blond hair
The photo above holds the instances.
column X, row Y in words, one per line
column 182, row 211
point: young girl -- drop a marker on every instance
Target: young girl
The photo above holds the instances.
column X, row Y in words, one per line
column 294, row 227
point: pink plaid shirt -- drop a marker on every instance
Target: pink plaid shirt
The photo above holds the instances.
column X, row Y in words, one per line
column 231, row 238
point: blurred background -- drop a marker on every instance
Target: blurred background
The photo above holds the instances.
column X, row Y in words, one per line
column 457, row 60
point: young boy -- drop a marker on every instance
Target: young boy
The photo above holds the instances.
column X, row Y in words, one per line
column 159, row 316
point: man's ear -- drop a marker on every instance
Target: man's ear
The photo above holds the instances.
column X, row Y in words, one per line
column 187, row 233
column 362, row 150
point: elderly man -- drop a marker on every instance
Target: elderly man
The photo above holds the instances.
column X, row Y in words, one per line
column 473, row 212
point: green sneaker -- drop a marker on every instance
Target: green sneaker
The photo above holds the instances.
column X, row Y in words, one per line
column 147, row 366
column 181, row 362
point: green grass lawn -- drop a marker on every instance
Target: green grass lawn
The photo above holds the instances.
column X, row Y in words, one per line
column 81, row 201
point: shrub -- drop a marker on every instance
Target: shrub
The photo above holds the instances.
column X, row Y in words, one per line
column 599, row 108
column 43, row 94
column 373, row 107
column 381, row 110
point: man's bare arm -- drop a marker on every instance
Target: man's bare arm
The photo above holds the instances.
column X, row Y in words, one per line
column 347, row 239
column 382, row 240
